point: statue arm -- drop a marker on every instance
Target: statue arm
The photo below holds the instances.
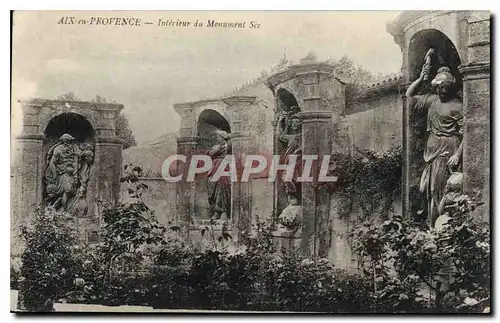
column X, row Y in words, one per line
column 53, row 161
column 413, row 88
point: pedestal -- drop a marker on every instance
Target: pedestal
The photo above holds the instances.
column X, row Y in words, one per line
column 287, row 240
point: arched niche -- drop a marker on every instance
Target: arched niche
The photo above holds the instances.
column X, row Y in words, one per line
column 416, row 120
column 73, row 123
column 421, row 42
column 286, row 99
column 82, row 149
column 286, row 103
column 209, row 121
column 69, row 122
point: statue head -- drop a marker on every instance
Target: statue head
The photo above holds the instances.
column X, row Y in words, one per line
column 454, row 183
column 66, row 138
column 444, row 84
column 295, row 123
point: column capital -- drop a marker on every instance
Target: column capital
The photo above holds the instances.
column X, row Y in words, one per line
column 475, row 71
column 240, row 136
column 188, row 140
column 27, row 136
column 312, row 116
column 108, row 140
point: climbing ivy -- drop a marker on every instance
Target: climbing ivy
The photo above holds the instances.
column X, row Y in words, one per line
column 367, row 181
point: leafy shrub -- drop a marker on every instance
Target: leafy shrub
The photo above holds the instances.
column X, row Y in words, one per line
column 417, row 269
column 49, row 262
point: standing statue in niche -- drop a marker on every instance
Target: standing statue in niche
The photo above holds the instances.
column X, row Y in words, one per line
column 444, row 145
column 67, row 173
column 219, row 192
column 289, row 133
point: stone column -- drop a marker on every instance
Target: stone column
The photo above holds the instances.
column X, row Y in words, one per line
column 27, row 171
column 185, row 190
column 476, row 100
column 316, row 126
column 406, row 146
column 104, row 184
column 274, row 124
column 242, row 144
column 241, row 198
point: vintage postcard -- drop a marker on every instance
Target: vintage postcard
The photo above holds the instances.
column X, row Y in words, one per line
column 251, row 161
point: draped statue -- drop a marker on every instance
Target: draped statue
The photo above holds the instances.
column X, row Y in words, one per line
column 67, row 172
column 219, row 192
column 443, row 150
column 289, row 132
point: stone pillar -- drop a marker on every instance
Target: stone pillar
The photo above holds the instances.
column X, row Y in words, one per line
column 274, row 124
column 476, row 99
column 27, row 172
column 241, row 214
column 104, row 183
column 406, row 146
column 242, row 144
column 104, row 186
column 316, row 126
column 185, row 190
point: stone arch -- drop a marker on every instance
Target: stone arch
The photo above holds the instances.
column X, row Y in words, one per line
column 288, row 94
column 218, row 107
column 72, row 123
column 49, row 111
column 69, row 122
column 419, row 44
column 285, row 99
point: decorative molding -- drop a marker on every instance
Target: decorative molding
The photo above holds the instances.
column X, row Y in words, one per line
column 70, row 105
column 479, row 43
column 187, row 140
column 234, row 100
column 474, row 70
column 314, row 115
column 34, row 137
column 108, row 140
column 295, row 71
column 240, row 135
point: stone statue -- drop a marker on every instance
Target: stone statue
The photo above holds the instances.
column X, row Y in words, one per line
column 289, row 132
column 452, row 191
column 219, row 192
column 444, row 145
column 291, row 216
column 67, row 173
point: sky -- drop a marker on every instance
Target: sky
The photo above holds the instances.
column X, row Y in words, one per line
column 148, row 68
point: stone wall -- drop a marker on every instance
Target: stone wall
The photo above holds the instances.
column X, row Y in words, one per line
column 160, row 197
column 378, row 123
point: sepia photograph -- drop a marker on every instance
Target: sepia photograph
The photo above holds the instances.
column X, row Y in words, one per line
column 250, row 162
